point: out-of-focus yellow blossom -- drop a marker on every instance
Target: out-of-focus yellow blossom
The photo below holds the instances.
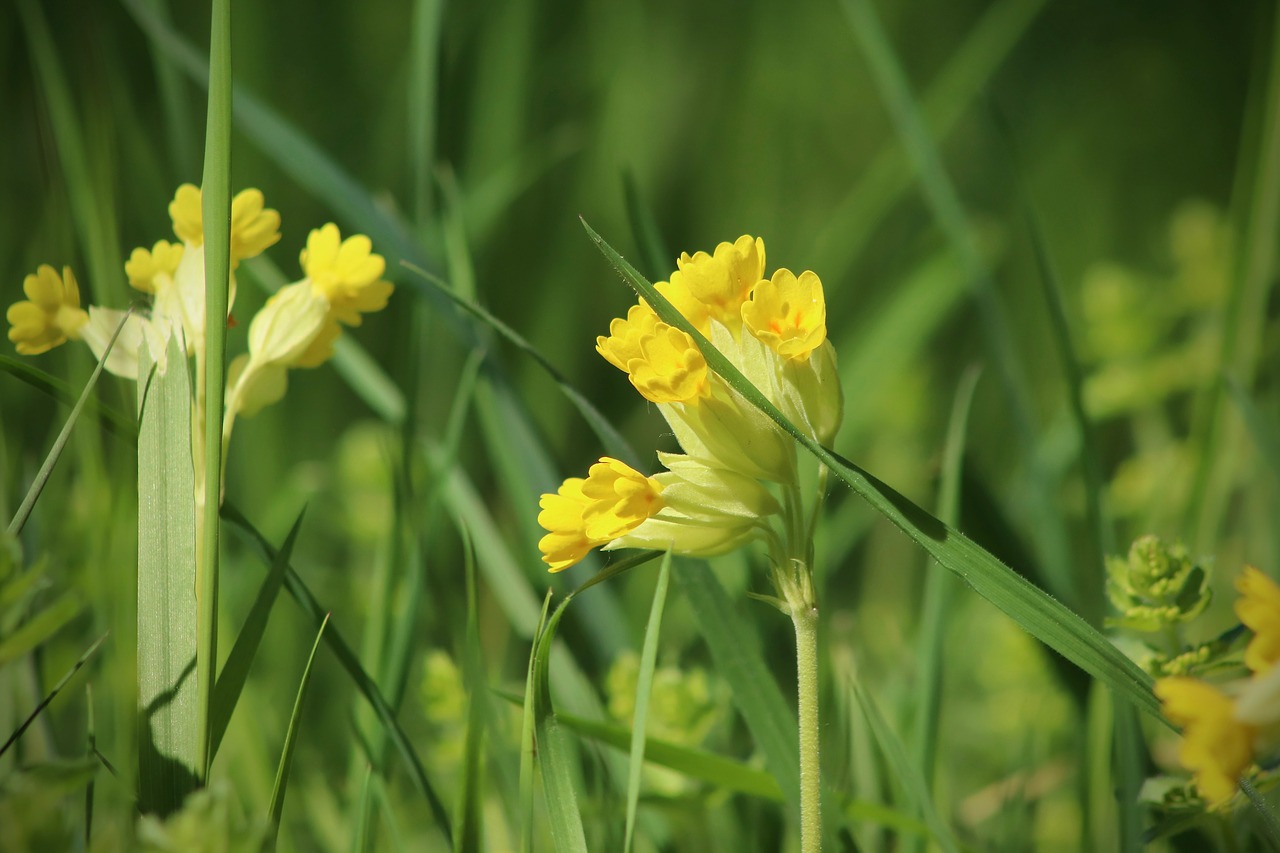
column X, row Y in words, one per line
column 254, row 226
column 1259, row 610
column 153, row 270
column 1225, row 728
column 51, row 313
column 714, row 495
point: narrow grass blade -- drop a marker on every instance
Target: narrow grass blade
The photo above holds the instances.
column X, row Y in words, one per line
column 644, row 228
column 609, row 436
column 554, row 750
column 736, row 653
column 424, row 57
column 528, row 744
column 1262, row 433
column 940, row 590
column 470, row 814
column 19, row 519
column 57, row 688
column 168, row 763
column 216, row 201
column 351, row 664
column 906, row 773
column 1035, row 611
column 235, row 671
column 114, row 422
column 1270, row 820
column 644, row 687
column 944, row 201
column 291, row 738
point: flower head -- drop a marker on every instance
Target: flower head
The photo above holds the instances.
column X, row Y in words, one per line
column 788, row 313
column 254, row 226
column 345, row 272
column 1216, row 746
column 722, row 280
column 1259, row 609
column 51, row 313
column 613, row 500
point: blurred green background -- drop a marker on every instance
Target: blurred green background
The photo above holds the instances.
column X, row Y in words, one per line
column 1127, row 132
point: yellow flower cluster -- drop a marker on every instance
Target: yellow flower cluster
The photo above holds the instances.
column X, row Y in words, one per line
column 717, row 494
column 1225, row 728
column 296, row 328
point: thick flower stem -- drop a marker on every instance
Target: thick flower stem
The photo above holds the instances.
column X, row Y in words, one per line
column 806, row 623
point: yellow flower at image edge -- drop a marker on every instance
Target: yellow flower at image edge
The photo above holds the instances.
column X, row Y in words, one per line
column 1216, row 746
column 51, row 313
column 613, row 500
column 1258, row 608
column 254, row 226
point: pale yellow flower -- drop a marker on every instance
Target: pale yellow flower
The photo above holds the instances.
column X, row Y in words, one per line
column 1216, row 746
column 788, row 313
column 1259, row 609
column 51, row 313
column 254, row 226
column 722, row 280
column 345, row 272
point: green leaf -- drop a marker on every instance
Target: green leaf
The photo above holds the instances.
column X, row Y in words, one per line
column 40, row 627
column 528, row 743
column 644, row 687
column 553, row 749
column 351, row 664
column 470, row 814
column 235, row 672
column 1035, row 611
column 291, row 738
column 114, row 422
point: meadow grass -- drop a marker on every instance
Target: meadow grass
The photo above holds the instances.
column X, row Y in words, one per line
column 1048, row 260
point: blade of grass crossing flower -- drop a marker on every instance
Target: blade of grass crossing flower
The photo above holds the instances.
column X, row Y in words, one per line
column 216, row 201
column 940, row 591
column 93, row 224
column 907, row 773
column 1031, row 608
column 527, row 736
column 291, row 739
column 469, row 818
column 52, row 694
column 347, row 659
column 736, row 652
column 169, row 758
column 644, row 687
column 941, row 196
column 113, row 421
column 235, row 671
column 644, row 230
column 612, row 441
column 19, row 519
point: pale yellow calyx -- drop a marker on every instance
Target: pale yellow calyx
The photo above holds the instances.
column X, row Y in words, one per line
column 254, row 226
column 1259, row 609
column 1216, row 746
column 613, row 500
column 345, row 272
column 788, row 313
column 722, row 280
column 51, row 313
column 670, row 368
column 147, row 270
column 623, row 341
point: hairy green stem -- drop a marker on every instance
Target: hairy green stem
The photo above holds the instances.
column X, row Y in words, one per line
column 805, row 620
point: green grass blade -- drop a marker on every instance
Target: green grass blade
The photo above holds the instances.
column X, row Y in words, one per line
column 1034, row 610
column 291, row 739
column 610, row 438
column 19, row 519
column 900, row 766
column 944, row 201
column 113, row 421
column 470, row 814
column 1262, row 432
column 1270, row 820
column 644, row 228
column 235, row 671
column 424, row 57
column 49, row 621
column 216, row 201
column 52, row 694
column 168, row 765
column 351, row 664
column 554, row 750
column 644, row 687
column 940, row 589
column 527, row 736
column 729, row 636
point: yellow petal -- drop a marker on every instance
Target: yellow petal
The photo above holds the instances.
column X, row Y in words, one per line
column 623, row 341
column 670, row 367
column 1259, row 609
column 722, row 280
column 144, row 268
column 1216, row 747
column 187, row 215
column 788, row 313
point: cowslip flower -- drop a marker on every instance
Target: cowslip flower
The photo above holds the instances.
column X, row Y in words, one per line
column 51, row 313
column 719, row 493
column 1225, row 728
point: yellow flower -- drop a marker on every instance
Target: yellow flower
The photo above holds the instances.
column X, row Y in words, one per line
column 720, row 281
column 788, row 313
column 51, row 313
column 1259, row 609
column 150, row 271
column 345, row 272
column 582, row 514
column 623, row 341
column 1216, row 746
column 254, row 226
column 670, row 367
